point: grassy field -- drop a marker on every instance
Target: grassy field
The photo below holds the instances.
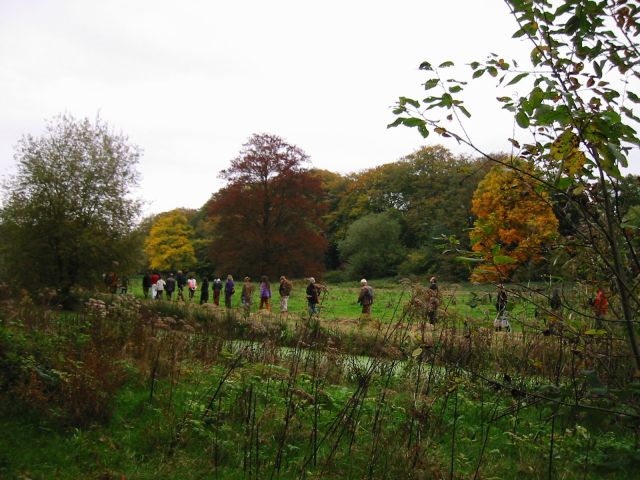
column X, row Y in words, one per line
column 129, row 389
column 460, row 300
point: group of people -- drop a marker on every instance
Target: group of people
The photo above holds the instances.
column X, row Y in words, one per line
column 156, row 287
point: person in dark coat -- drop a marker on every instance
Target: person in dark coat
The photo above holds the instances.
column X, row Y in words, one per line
column 170, row 286
column 204, row 291
column 146, row 284
column 229, row 290
column 181, row 282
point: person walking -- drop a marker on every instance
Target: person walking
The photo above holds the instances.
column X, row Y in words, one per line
column 217, row 288
column 600, row 307
column 229, row 290
column 160, row 284
column 146, row 284
column 204, row 291
column 313, row 296
column 501, row 321
column 285, row 290
column 181, row 282
column 246, row 295
column 192, row 285
column 154, row 284
column 265, row 293
column 433, row 300
column 365, row 297
column 170, row 286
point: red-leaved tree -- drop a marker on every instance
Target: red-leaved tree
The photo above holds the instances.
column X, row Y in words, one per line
column 268, row 216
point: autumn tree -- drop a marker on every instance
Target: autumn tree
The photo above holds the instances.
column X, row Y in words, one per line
column 68, row 213
column 576, row 119
column 169, row 245
column 268, row 216
column 429, row 193
column 514, row 222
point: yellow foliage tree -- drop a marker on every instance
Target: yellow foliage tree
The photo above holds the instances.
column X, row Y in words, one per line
column 169, row 246
column 514, row 220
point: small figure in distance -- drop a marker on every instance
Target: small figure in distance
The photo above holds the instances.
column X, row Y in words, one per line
column 160, row 284
column 192, row 285
column 433, row 300
column 217, row 288
column 265, row 293
column 154, row 287
column 600, row 307
column 285, row 290
column 146, row 284
column 365, row 298
column 229, row 290
column 501, row 320
column 113, row 286
column 246, row 295
column 124, row 285
column 170, row 286
column 313, row 295
column 181, row 281
column 204, row 291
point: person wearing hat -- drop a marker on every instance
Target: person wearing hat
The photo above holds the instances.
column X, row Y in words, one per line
column 365, row 298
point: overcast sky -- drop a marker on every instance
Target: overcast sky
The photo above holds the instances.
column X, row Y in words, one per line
column 190, row 81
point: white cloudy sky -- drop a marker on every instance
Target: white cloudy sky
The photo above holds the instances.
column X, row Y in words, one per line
column 189, row 81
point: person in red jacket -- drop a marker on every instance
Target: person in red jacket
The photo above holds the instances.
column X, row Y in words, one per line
column 600, row 307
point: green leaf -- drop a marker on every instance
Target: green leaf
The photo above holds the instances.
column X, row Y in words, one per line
column 425, row 66
column 632, row 218
column 633, row 97
column 410, row 101
column 522, row 119
column 517, row 78
column 455, row 89
column 564, row 183
column 478, row 73
column 396, row 122
column 503, row 260
column 464, row 111
column 413, row 122
column 469, row 259
column 431, row 83
column 446, row 64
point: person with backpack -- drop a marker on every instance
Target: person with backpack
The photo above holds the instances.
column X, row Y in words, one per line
column 217, row 288
column 246, row 296
column 365, row 298
column 285, row 290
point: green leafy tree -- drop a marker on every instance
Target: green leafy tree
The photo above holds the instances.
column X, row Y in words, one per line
column 372, row 246
column 68, row 215
column 577, row 124
column 169, row 245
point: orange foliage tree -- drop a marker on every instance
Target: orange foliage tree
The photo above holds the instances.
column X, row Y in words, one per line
column 268, row 217
column 514, row 220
